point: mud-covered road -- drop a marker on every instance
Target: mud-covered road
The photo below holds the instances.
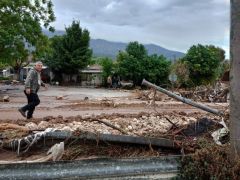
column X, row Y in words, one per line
column 89, row 101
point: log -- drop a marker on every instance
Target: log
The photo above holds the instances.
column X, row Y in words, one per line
column 182, row 99
column 111, row 125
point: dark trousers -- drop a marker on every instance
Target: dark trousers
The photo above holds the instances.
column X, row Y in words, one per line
column 33, row 101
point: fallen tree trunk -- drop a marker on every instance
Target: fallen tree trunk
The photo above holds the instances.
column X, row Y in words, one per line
column 184, row 100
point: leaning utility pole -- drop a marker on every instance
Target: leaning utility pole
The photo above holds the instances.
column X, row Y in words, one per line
column 235, row 78
column 184, row 100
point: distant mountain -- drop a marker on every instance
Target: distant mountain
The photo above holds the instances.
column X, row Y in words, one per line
column 55, row 33
column 104, row 48
column 110, row 49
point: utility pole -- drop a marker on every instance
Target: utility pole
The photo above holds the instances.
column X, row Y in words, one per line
column 235, row 79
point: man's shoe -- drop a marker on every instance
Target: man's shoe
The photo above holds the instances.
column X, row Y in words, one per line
column 22, row 112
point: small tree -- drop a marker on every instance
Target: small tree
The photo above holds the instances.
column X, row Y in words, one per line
column 204, row 63
column 107, row 65
column 180, row 68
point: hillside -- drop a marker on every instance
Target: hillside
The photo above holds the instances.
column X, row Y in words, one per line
column 110, row 49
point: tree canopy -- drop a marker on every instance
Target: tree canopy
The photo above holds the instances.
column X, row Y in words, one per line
column 108, row 67
column 20, row 26
column 70, row 52
column 135, row 64
column 204, row 63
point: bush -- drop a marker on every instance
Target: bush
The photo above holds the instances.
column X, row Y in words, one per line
column 5, row 78
column 135, row 64
column 181, row 70
column 204, row 64
column 211, row 162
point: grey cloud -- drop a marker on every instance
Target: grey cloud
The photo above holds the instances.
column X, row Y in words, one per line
column 175, row 23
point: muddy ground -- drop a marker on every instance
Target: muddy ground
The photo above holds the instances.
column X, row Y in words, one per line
column 79, row 109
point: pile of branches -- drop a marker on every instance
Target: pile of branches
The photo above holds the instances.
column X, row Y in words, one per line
column 217, row 93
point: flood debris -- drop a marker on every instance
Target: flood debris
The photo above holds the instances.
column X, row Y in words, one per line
column 217, row 93
column 182, row 99
column 6, row 99
column 120, row 127
column 55, row 153
column 160, row 142
column 199, row 127
column 22, row 145
column 111, row 125
column 59, row 97
column 31, row 126
column 9, row 131
column 151, row 130
column 222, row 135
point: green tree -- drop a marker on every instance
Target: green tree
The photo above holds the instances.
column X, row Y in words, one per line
column 135, row 65
column 128, row 68
column 55, row 58
column 2, row 65
column 204, row 63
column 108, row 67
column 42, row 49
column 156, row 69
column 136, row 50
column 70, row 52
column 20, row 28
column 129, row 62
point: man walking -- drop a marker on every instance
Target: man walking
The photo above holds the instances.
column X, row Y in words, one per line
column 32, row 85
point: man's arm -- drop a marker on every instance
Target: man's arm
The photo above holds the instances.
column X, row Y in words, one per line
column 29, row 79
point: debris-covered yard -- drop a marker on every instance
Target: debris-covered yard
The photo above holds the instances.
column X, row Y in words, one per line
column 104, row 123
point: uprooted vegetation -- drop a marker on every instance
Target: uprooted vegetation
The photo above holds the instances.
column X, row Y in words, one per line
column 211, row 93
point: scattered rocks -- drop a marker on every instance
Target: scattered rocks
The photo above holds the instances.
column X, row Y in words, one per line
column 67, row 128
column 43, row 125
column 59, row 97
column 31, row 126
column 87, row 116
column 6, row 98
column 60, row 117
column 48, row 118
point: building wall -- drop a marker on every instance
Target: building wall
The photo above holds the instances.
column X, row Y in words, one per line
column 91, row 79
column 5, row 72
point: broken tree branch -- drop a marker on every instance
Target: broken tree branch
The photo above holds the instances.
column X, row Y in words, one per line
column 111, row 125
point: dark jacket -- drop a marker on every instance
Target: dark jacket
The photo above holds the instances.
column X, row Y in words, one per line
column 32, row 81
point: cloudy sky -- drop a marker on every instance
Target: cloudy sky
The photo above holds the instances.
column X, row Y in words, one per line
column 172, row 24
